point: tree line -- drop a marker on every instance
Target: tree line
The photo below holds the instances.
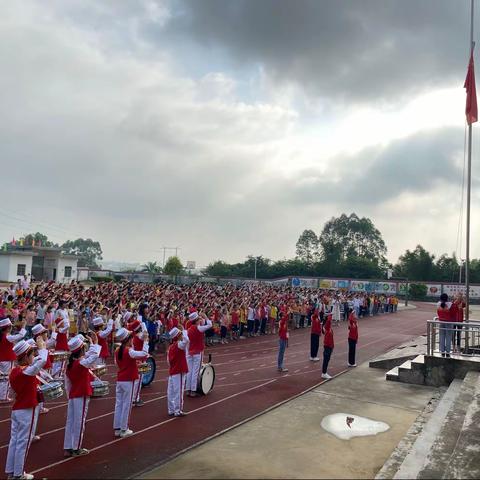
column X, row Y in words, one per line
column 352, row 247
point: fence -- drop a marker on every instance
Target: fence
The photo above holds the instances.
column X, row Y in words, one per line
column 461, row 337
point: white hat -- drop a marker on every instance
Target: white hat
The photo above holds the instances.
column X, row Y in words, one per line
column 97, row 321
column 193, row 316
column 75, row 343
column 173, row 332
column 5, row 322
column 32, row 343
column 21, row 348
column 122, row 334
column 127, row 315
column 38, row 329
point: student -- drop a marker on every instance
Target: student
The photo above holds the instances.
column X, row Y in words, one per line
column 352, row 338
column 315, row 333
column 102, row 335
column 126, row 359
column 177, row 372
column 327, row 346
column 282, row 342
column 78, row 386
column 25, row 408
column 444, row 316
column 7, row 356
column 139, row 335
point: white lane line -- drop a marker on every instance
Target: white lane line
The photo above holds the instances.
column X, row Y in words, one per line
column 159, row 424
column 223, row 378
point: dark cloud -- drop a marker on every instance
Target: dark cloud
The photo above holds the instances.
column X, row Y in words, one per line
column 349, row 49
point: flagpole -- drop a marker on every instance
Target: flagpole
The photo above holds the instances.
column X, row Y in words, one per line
column 469, row 184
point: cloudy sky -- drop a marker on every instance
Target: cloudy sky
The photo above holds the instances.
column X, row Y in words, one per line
column 226, row 128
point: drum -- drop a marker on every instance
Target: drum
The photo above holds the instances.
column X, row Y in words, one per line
column 143, row 368
column 50, row 391
column 206, row 379
column 147, row 378
column 59, row 356
column 100, row 388
column 100, row 370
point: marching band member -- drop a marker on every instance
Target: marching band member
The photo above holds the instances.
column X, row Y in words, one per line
column 328, row 345
column 196, row 335
column 126, row 359
column 7, row 356
column 78, row 386
column 39, row 330
column 24, row 383
column 139, row 331
column 102, row 336
column 178, row 369
column 60, row 335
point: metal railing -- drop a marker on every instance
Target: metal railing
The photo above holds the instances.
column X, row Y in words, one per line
column 457, row 338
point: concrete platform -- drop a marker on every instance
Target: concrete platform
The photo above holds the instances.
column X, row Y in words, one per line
column 288, row 441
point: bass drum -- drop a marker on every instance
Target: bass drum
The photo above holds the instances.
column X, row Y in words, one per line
column 147, row 378
column 206, row 379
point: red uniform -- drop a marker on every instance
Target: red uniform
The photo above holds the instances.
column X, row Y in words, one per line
column 197, row 340
column 6, row 350
column 283, row 328
column 61, row 344
column 352, row 327
column 177, row 360
column 80, row 378
column 25, row 388
column 316, row 327
column 127, row 367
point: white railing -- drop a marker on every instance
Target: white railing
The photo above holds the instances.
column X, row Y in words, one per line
column 459, row 338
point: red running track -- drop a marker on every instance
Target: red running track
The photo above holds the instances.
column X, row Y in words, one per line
column 247, row 383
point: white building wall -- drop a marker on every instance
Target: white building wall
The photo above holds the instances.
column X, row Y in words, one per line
column 9, row 265
column 4, row 267
column 66, row 262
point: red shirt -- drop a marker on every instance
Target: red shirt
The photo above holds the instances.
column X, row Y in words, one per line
column 316, row 325
column 352, row 327
column 137, row 343
column 104, row 344
column 127, row 366
column 61, row 344
column 81, row 379
column 283, row 329
column 444, row 314
column 177, row 360
column 328, row 338
column 25, row 388
column 235, row 319
column 197, row 340
column 6, row 349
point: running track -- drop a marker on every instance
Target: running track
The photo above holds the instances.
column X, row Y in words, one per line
column 247, row 383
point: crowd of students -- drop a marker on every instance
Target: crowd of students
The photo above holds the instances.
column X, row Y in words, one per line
column 36, row 320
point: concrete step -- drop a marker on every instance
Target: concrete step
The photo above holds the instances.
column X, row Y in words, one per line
column 419, row 360
column 445, row 447
column 392, row 375
column 465, row 459
column 414, row 461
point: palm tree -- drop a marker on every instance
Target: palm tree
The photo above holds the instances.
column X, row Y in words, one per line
column 152, row 267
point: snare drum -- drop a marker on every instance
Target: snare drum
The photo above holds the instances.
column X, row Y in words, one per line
column 100, row 388
column 59, row 356
column 206, row 379
column 100, row 370
column 50, row 391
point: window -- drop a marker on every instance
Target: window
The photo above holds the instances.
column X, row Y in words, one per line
column 68, row 272
column 21, row 269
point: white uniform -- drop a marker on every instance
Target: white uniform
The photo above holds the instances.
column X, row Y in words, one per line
column 78, row 407
column 6, row 367
column 195, row 362
column 23, row 425
column 176, row 383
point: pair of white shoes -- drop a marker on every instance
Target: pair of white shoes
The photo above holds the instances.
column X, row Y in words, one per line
column 123, row 433
column 25, row 476
column 314, row 359
column 352, row 365
column 326, row 376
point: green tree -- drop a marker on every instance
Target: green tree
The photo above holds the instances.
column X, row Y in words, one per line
column 152, row 267
column 350, row 236
column 447, row 269
column 307, row 247
column 416, row 265
column 89, row 251
column 38, row 238
column 173, row 266
column 219, row 269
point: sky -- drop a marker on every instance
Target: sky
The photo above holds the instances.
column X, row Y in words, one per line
column 227, row 127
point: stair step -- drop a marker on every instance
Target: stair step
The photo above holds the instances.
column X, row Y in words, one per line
column 445, row 444
column 406, row 365
column 420, row 359
column 392, row 375
column 415, row 459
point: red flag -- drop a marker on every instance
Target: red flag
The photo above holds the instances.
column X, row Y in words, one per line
column 13, row 242
column 471, row 110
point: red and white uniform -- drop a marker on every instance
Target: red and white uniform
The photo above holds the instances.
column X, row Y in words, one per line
column 138, row 344
column 25, row 410
column 196, row 336
column 126, row 376
column 78, row 387
column 7, row 358
column 102, row 336
column 178, row 369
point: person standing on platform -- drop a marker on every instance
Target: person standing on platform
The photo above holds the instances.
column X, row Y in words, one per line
column 328, row 345
column 196, row 335
column 315, row 333
column 445, row 317
column 352, row 338
column 24, row 382
column 282, row 341
column 177, row 371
